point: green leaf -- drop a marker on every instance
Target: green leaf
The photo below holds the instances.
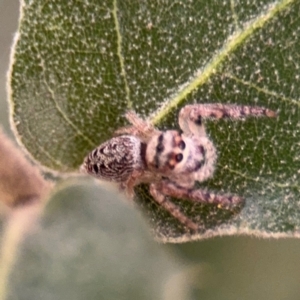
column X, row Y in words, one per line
column 78, row 66
column 88, row 243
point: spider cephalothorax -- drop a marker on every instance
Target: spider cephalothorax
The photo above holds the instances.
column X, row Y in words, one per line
column 170, row 161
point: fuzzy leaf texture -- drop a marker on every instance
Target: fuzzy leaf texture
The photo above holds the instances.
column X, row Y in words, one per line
column 83, row 247
column 78, row 66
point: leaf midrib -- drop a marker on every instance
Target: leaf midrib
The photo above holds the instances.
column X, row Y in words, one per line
column 239, row 37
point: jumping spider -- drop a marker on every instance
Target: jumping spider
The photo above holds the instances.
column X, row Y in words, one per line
column 170, row 161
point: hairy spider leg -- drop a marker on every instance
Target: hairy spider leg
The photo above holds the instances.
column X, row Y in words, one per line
column 196, row 112
column 170, row 188
column 208, row 167
column 140, row 128
column 190, row 122
column 172, row 208
column 145, row 129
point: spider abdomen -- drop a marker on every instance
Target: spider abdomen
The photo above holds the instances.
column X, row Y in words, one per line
column 115, row 159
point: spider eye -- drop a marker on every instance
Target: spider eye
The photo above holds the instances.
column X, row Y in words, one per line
column 178, row 157
column 181, row 145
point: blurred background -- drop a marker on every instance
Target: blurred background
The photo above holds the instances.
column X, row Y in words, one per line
column 226, row 268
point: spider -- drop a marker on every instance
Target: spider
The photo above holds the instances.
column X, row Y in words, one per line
column 171, row 162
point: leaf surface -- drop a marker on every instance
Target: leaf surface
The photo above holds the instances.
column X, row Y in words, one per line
column 78, row 66
column 88, row 243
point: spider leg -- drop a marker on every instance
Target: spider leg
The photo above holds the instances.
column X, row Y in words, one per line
column 208, row 167
column 140, row 128
column 131, row 130
column 145, row 129
column 173, row 209
column 191, row 123
column 190, row 116
column 197, row 195
column 128, row 185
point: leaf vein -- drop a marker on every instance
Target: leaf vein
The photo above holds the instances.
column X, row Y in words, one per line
column 230, row 45
column 262, row 181
column 64, row 116
column 264, row 90
column 234, row 14
column 42, row 149
column 119, row 53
